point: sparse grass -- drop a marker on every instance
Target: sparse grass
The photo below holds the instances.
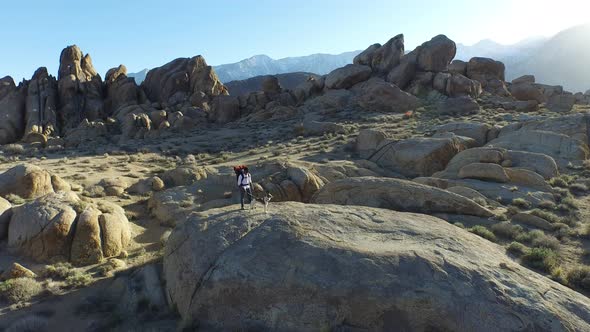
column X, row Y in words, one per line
column 546, row 241
column 15, row 199
column 550, row 217
column 543, row 259
column 507, row 230
column 14, row 149
column 547, row 205
column 460, row 225
column 517, row 249
column 20, row 289
column 521, row 203
column 562, row 181
column 483, row 232
column 78, row 279
column 578, row 188
column 480, row 201
column 568, row 204
column 579, row 277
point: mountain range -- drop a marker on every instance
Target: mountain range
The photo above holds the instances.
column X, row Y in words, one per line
column 561, row 59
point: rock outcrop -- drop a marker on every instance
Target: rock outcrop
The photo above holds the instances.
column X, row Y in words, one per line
column 60, row 226
column 28, row 181
column 184, row 80
column 41, row 107
column 407, row 271
column 12, row 111
column 416, row 156
column 79, row 89
column 398, row 195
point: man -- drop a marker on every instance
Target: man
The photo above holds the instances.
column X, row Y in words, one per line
column 244, row 183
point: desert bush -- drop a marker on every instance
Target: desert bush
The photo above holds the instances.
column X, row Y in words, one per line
column 507, row 230
column 562, row 181
column 517, row 248
column 568, row 204
column 460, row 225
column 78, row 279
column 521, row 203
column 578, row 188
column 543, row 259
column 529, row 236
column 483, row 232
column 14, row 149
column 20, row 289
column 58, row 271
column 480, row 201
column 15, row 199
column 547, row 205
column 550, row 217
column 579, row 277
column 546, row 241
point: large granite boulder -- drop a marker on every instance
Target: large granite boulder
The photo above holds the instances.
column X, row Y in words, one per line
column 347, row 76
column 41, row 106
column 436, row 54
column 183, row 80
column 26, row 181
column 397, row 194
column 478, row 131
column 12, row 111
column 341, row 268
column 380, row 96
column 560, row 147
column 120, row 90
column 388, row 56
column 60, row 226
column 5, row 215
column 485, row 69
column 463, row 105
column 79, row 89
column 417, row 156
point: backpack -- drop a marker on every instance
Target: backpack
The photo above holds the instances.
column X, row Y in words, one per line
column 238, row 170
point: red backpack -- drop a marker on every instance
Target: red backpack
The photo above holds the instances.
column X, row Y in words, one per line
column 238, row 170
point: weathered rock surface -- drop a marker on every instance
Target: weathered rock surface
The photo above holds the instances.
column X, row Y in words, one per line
column 378, row 95
column 347, row 76
column 41, row 106
column 12, row 110
column 417, row 156
column 79, row 89
column 368, row 140
column 182, row 80
column 60, row 226
column 5, row 215
column 463, row 105
column 484, row 171
column 399, row 281
column 561, row 147
column 397, row 194
column 26, row 181
column 436, row 54
column 477, row 131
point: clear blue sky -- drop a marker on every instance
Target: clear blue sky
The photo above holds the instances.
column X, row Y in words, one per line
column 145, row 34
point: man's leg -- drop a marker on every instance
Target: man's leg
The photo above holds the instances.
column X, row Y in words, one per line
column 250, row 198
column 242, row 190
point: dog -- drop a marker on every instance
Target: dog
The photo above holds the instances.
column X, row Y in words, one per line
column 264, row 200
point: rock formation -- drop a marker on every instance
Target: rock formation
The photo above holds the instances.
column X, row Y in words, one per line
column 333, row 267
column 12, row 111
column 79, row 88
column 41, row 106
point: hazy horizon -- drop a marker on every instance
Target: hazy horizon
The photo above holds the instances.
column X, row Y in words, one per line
column 148, row 34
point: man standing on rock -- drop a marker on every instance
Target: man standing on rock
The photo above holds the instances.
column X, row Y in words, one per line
column 244, row 183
